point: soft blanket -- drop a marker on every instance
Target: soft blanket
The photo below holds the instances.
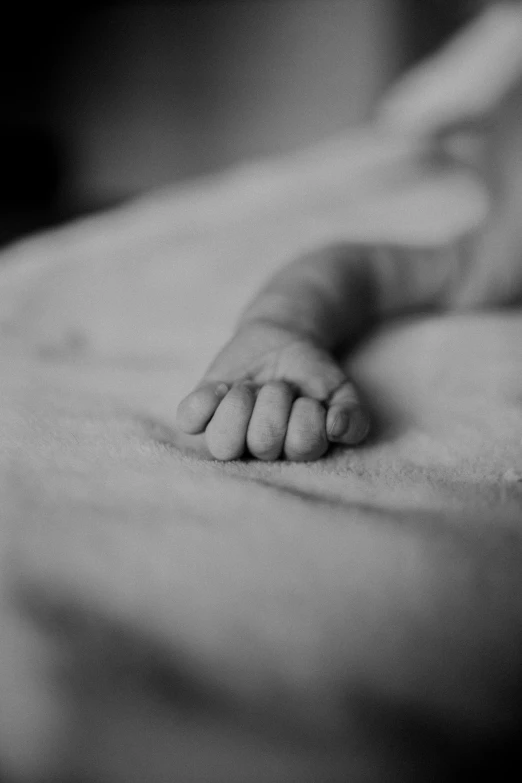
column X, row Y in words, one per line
column 169, row 618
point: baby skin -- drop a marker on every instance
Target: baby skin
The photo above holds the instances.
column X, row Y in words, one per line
column 277, row 389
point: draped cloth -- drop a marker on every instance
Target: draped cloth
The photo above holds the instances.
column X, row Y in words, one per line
column 169, row 617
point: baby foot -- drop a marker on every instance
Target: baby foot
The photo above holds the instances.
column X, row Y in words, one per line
column 275, row 393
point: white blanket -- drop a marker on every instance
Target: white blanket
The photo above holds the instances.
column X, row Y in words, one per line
column 169, row 618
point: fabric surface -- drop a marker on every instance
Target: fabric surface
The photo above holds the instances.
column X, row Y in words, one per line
column 168, row 617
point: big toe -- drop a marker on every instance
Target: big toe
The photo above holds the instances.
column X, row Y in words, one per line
column 347, row 420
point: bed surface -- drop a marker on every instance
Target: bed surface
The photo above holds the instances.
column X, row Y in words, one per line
column 168, row 617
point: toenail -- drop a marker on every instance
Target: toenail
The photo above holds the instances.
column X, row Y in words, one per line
column 340, row 424
column 353, row 426
column 221, row 389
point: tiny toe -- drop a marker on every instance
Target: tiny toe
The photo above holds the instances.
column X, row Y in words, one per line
column 306, row 434
column 267, row 428
column 226, row 432
column 347, row 421
column 347, row 424
column 197, row 408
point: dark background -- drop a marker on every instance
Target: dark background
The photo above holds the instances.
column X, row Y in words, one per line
column 102, row 101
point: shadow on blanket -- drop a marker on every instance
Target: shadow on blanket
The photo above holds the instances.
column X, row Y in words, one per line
column 397, row 660
column 142, row 710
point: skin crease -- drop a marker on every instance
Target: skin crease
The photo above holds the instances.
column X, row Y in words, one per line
column 276, row 389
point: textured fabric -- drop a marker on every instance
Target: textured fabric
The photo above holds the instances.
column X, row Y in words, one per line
column 168, row 617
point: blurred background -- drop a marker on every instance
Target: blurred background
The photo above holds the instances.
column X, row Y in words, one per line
column 103, row 101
